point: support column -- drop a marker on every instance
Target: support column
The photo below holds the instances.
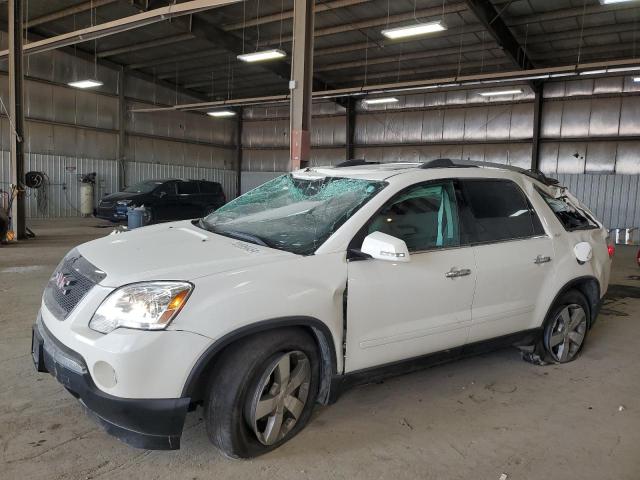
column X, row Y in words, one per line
column 239, row 151
column 537, row 123
column 301, row 84
column 350, row 109
column 122, row 131
column 16, row 115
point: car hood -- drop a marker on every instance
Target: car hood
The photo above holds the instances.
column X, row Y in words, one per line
column 172, row 251
column 114, row 197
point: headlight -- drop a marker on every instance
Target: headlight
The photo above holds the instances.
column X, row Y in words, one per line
column 145, row 306
column 124, row 202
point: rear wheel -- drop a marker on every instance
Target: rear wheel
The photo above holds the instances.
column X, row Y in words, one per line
column 262, row 392
column 565, row 330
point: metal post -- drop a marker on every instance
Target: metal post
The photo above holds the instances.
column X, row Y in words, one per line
column 301, row 84
column 537, row 123
column 16, row 116
column 122, row 131
column 350, row 128
column 239, row 152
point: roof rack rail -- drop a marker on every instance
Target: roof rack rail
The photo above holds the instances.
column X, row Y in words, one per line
column 445, row 163
column 355, row 163
column 449, row 163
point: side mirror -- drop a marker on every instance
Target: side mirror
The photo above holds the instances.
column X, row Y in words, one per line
column 385, row 247
column 161, row 194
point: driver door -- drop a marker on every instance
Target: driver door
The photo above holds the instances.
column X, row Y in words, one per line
column 398, row 310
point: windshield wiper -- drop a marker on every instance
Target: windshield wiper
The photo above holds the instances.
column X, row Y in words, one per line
column 247, row 237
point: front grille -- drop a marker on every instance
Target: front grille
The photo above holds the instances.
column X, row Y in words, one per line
column 70, row 282
column 105, row 204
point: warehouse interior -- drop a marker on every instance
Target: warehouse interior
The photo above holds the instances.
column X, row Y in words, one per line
column 548, row 86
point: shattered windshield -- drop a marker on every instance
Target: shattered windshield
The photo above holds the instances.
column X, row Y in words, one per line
column 292, row 214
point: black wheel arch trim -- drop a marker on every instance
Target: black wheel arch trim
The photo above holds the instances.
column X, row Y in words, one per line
column 320, row 332
column 594, row 304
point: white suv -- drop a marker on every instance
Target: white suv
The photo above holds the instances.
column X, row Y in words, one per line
column 315, row 281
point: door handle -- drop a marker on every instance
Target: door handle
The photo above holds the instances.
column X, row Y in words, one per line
column 454, row 273
column 540, row 260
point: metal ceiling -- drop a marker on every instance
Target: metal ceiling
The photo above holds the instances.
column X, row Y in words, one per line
column 198, row 53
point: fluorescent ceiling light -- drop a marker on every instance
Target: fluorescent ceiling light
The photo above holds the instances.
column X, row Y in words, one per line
column 636, row 79
column 609, row 2
column 262, row 55
column 495, row 93
column 89, row 83
column 413, row 30
column 221, row 113
column 622, row 69
column 594, row 72
column 378, row 101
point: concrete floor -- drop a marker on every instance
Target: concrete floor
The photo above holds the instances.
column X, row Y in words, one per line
column 477, row 418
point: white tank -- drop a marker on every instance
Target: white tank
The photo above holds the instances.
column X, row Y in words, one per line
column 86, row 199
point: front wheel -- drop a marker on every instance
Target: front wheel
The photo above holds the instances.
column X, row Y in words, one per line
column 262, row 392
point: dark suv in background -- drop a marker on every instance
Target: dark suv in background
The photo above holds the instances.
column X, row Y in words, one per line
column 164, row 200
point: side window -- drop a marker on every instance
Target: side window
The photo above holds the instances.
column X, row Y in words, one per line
column 424, row 216
column 497, row 210
column 210, row 188
column 187, row 188
column 571, row 217
column 168, row 188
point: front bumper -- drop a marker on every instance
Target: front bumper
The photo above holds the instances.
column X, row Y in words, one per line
column 113, row 214
column 144, row 423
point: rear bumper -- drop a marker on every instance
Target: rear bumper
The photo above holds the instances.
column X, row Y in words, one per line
column 143, row 423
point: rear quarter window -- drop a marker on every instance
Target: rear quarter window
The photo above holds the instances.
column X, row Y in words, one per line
column 570, row 215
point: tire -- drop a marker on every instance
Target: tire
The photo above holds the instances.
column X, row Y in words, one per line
column 149, row 217
column 245, row 384
column 564, row 330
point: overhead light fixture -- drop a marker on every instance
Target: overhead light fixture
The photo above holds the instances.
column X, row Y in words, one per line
column 413, row 30
column 379, row 101
column 221, row 113
column 609, row 2
column 594, row 72
column 262, row 55
column 495, row 93
column 89, row 83
column 636, row 79
column 622, row 69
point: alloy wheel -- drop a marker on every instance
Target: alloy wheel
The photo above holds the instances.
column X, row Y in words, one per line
column 567, row 333
column 280, row 397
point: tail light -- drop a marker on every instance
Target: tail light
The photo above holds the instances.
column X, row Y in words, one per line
column 612, row 250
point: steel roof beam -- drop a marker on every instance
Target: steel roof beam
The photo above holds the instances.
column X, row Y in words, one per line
column 66, row 12
column 120, row 25
column 136, row 47
column 488, row 16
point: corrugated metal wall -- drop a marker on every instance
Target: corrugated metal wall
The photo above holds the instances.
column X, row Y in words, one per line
column 63, row 190
column 614, row 199
column 590, row 136
column 71, row 131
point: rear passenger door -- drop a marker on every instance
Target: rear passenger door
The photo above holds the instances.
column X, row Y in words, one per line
column 514, row 256
column 212, row 196
column 188, row 199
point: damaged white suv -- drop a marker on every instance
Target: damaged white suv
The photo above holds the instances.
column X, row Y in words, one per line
column 315, row 281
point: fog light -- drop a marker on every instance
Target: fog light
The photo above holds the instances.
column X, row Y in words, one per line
column 104, row 374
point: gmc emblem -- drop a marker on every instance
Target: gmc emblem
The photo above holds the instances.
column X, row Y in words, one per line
column 63, row 281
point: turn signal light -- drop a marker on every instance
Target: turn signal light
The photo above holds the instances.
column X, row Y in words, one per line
column 612, row 250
